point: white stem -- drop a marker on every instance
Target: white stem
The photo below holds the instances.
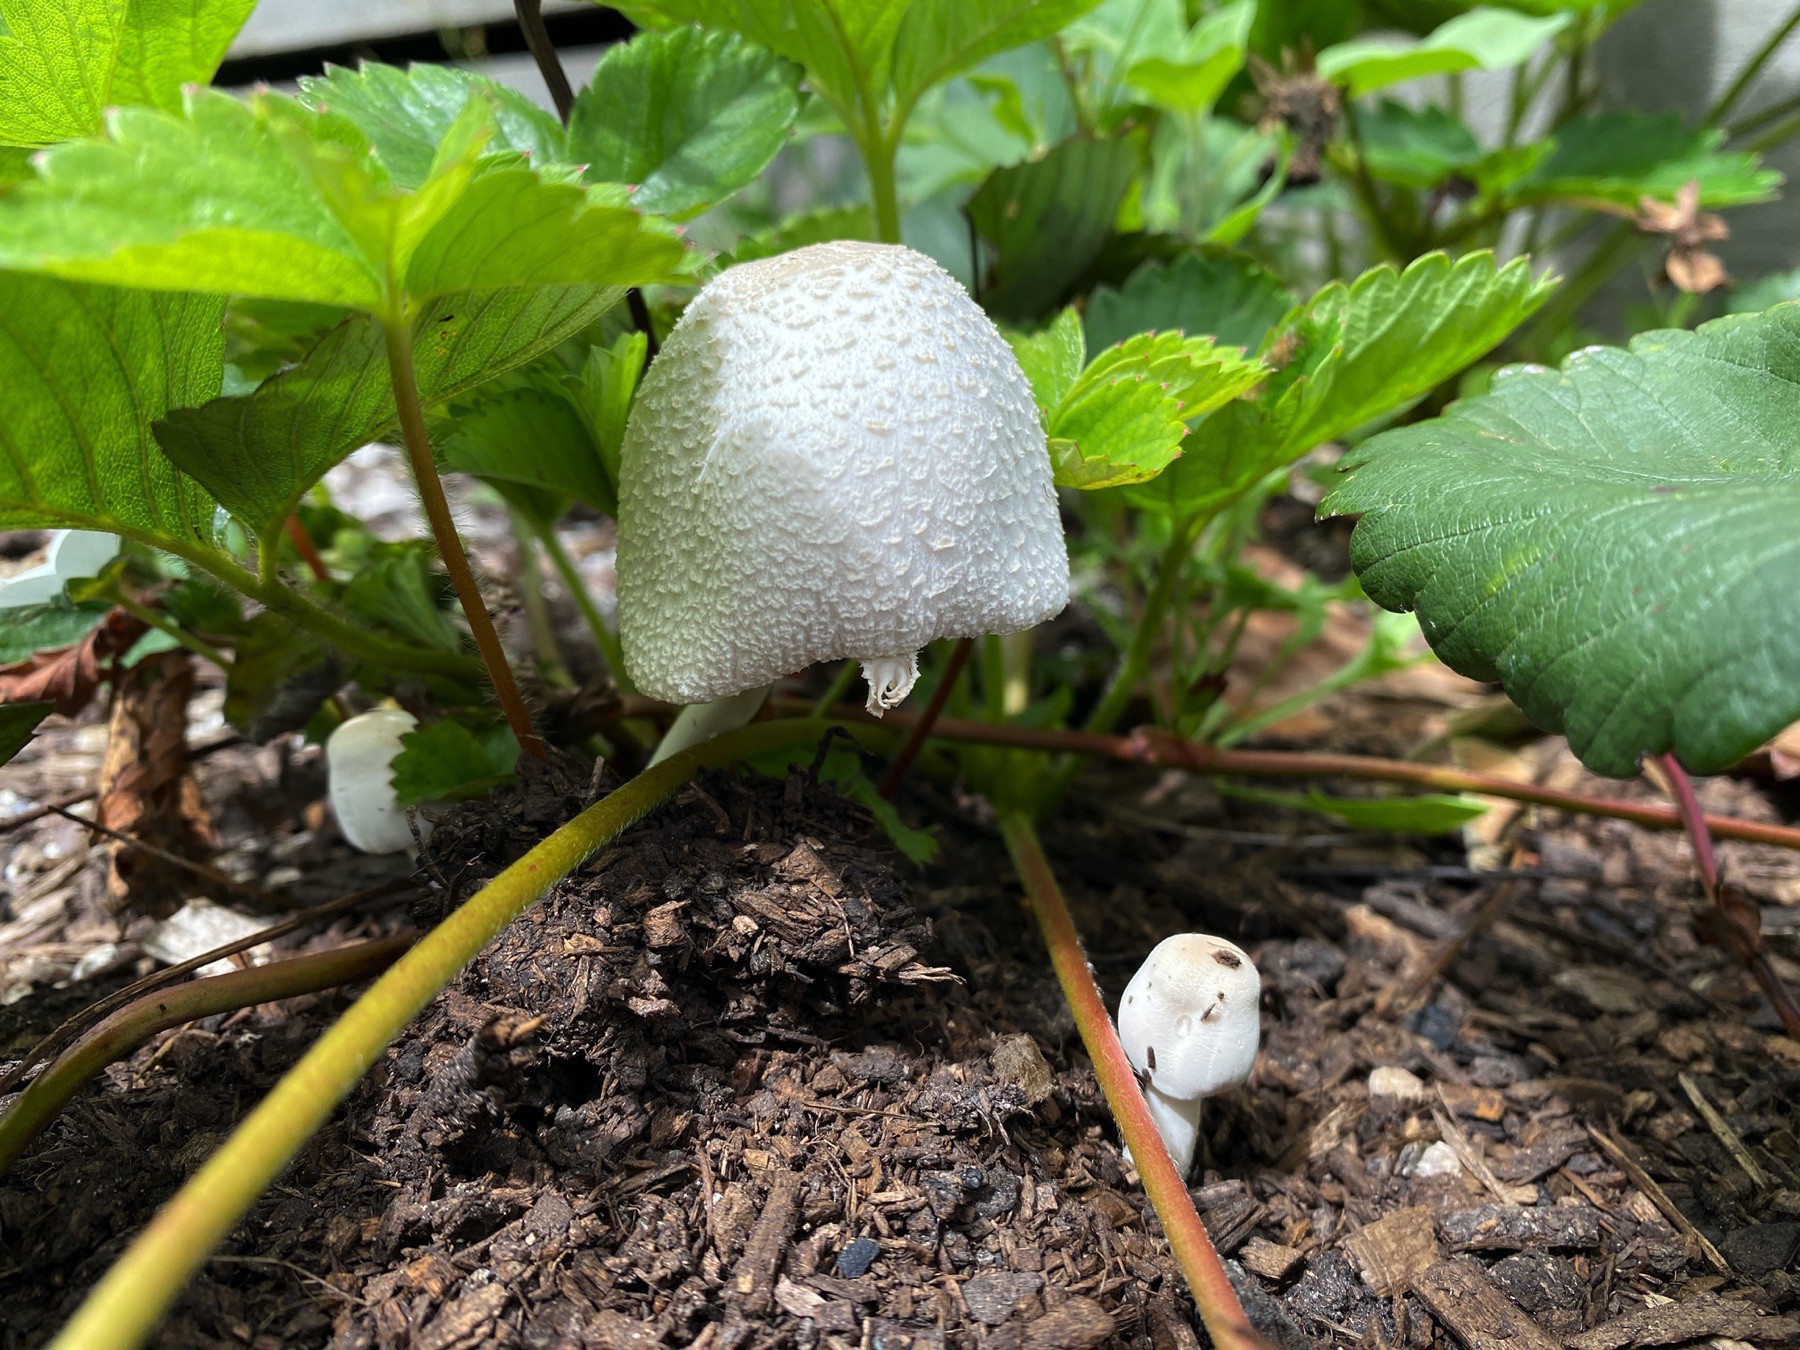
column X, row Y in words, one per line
column 891, row 679
column 1178, row 1123
column 702, row 721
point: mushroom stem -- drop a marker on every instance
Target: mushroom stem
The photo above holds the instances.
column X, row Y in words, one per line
column 891, row 679
column 702, row 721
column 1178, row 1123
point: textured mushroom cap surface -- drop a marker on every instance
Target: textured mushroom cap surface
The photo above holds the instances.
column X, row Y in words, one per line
column 834, row 455
column 1190, row 1019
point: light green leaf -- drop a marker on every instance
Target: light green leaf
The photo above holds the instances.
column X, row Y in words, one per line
column 1405, row 333
column 1424, row 813
column 609, row 380
column 941, row 38
column 1189, row 78
column 85, row 369
column 1226, row 296
column 17, row 722
column 1415, row 147
column 1482, row 39
column 815, row 227
column 448, row 760
column 1620, row 158
column 406, row 114
column 689, row 117
column 1047, row 220
column 1614, row 543
column 1051, row 359
column 274, row 199
column 63, row 62
column 260, row 452
column 845, row 45
column 1124, row 419
column 533, row 436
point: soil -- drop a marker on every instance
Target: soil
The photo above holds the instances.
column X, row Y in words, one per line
column 750, row 1078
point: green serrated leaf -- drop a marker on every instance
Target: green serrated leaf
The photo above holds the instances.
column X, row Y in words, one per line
column 1415, row 147
column 815, row 227
column 536, row 438
column 941, row 38
column 406, row 114
column 609, row 381
column 688, row 117
column 448, row 760
column 1189, row 78
column 396, row 589
column 1620, row 158
column 1613, row 543
column 17, row 722
column 272, row 198
column 1047, row 219
column 85, row 369
column 1482, row 39
column 64, row 62
column 261, row 452
column 1051, row 359
column 1226, row 296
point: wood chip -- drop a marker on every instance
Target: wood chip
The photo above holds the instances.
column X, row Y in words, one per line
column 1632, row 1168
column 752, row 1285
column 1511, row 1228
column 1477, row 1102
column 1268, row 1259
column 1672, row 1323
column 1394, row 1252
column 1460, row 1295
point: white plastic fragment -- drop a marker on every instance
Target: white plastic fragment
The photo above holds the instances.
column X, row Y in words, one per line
column 359, row 764
column 835, row 455
column 199, row 926
column 1190, row 1022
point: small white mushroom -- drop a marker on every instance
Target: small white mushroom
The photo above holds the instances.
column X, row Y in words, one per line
column 835, row 455
column 72, row 556
column 359, row 766
column 1190, row 1022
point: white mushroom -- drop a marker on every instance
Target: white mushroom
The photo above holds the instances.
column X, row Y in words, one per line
column 72, row 556
column 835, row 455
column 359, row 765
column 1190, row 1022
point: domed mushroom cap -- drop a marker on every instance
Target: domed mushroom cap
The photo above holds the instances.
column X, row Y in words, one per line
column 834, row 455
column 1190, row 1018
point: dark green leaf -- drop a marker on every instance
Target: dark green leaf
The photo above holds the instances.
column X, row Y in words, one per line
column 396, row 589
column 406, row 114
column 688, row 117
column 85, row 369
column 1613, row 543
column 535, row 437
column 447, row 761
column 1415, row 147
column 17, row 722
column 1622, row 157
column 279, row 677
column 1047, row 219
column 45, row 628
column 1224, row 295
column 261, row 452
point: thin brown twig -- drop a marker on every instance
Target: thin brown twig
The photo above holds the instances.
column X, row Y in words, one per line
column 129, row 1027
column 921, row 729
column 1174, row 1204
column 73, row 1026
column 1154, row 747
column 543, row 51
column 205, row 871
column 1657, row 1196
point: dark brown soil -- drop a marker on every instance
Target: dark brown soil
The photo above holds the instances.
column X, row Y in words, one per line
column 750, row 1080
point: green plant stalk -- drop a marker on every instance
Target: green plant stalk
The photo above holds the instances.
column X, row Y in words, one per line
column 879, row 150
column 1136, row 663
column 1168, row 1193
column 449, row 543
column 537, row 611
column 1775, row 135
column 130, row 1026
column 604, row 637
column 128, row 1303
column 1752, row 68
column 163, row 624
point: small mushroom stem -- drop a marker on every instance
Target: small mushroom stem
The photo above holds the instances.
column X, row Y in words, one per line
column 1178, row 1122
column 702, row 721
column 891, row 679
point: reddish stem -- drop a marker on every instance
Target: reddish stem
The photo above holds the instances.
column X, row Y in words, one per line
column 921, row 729
column 1687, row 805
column 308, row 551
column 1168, row 1193
column 1154, row 747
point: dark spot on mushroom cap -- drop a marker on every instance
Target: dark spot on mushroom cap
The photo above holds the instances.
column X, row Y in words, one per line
column 1150, row 1057
column 1227, row 959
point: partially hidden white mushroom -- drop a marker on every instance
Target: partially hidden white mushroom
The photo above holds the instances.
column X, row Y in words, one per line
column 835, row 455
column 72, row 556
column 1190, row 1022
column 359, row 766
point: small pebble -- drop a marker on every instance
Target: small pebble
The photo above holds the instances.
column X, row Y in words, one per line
column 1388, row 1081
column 854, row 1261
column 1439, row 1160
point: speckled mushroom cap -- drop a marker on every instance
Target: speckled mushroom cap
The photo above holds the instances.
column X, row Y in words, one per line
column 834, row 455
column 1190, row 1019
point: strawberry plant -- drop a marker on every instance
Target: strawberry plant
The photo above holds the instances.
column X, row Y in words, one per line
column 1213, row 255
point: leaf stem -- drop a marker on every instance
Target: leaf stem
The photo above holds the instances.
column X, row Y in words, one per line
column 308, row 551
column 1168, row 1193
column 449, row 543
column 128, row 1303
column 1752, row 68
column 543, row 51
column 604, row 637
column 130, row 1026
column 169, row 628
column 879, row 150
